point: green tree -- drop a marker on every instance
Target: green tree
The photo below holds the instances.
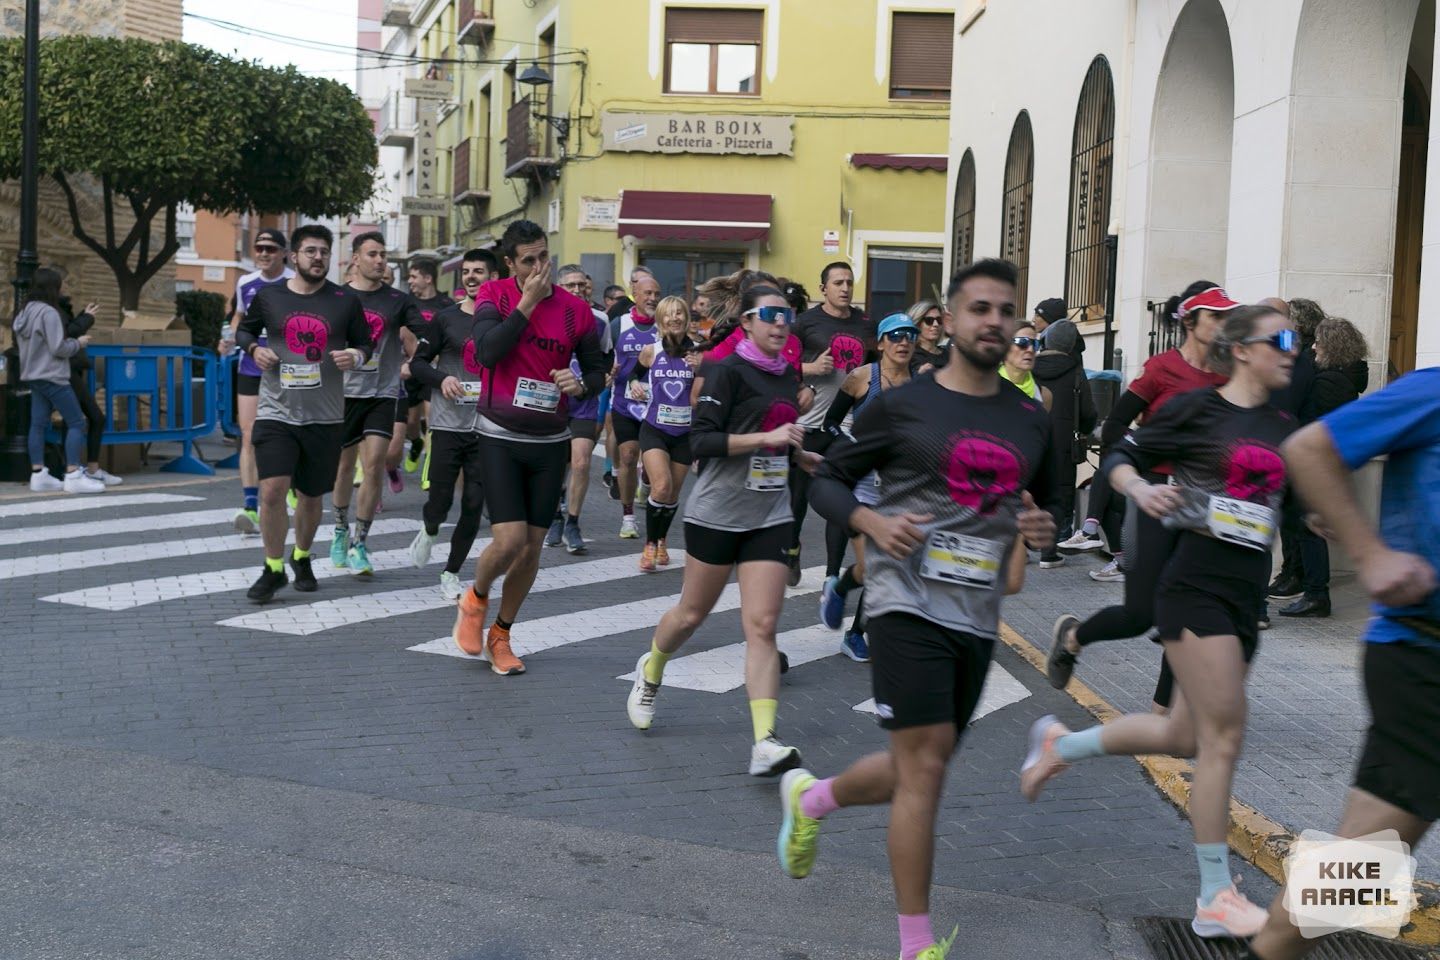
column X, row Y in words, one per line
column 160, row 124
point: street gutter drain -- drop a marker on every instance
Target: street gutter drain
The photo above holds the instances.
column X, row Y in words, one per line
column 1171, row 938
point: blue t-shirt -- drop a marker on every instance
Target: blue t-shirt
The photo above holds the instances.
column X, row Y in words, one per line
column 1403, row 421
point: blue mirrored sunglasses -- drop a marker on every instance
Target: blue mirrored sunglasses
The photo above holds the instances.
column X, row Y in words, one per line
column 1025, row 343
column 773, row 314
column 1286, row 341
column 900, row 336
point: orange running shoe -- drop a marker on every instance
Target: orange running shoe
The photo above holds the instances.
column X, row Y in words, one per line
column 469, row 630
column 497, row 650
column 1230, row 914
column 662, row 556
column 647, row 559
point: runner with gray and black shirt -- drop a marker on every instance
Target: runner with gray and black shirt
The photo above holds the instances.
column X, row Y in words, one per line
column 963, row 457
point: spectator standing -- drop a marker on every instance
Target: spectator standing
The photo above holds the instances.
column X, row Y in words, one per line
column 1306, row 316
column 1072, row 418
column 77, row 326
column 1048, row 312
column 930, row 353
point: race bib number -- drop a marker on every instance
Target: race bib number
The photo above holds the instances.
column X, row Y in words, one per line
column 768, row 474
column 371, row 365
column 299, row 376
column 541, row 396
column 1239, row 521
column 668, row 416
column 470, row 391
column 958, row 559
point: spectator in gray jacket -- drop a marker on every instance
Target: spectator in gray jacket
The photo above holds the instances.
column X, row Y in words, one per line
column 45, row 353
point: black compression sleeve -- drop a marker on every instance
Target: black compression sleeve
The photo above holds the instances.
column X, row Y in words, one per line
column 495, row 338
column 1126, row 409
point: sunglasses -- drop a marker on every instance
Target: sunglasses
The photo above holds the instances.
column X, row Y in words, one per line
column 772, row 314
column 266, row 248
column 1025, row 343
column 900, row 336
column 932, row 321
column 1286, row 341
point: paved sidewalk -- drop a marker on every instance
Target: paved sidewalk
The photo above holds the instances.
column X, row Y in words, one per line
column 1307, row 705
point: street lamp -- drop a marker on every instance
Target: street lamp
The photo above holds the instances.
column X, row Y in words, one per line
column 14, row 408
column 534, row 77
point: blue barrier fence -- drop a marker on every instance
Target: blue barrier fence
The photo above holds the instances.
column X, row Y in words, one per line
column 225, row 399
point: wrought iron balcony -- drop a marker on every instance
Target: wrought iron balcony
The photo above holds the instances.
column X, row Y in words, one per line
column 397, row 121
column 529, row 149
column 471, row 164
column 477, row 24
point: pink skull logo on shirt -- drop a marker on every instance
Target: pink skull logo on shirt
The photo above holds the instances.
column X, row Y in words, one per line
column 781, row 413
column 307, row 336
column 847, row 352
column 377, row 327
column 981, row 473
column 469, row 359
column 1255, row 473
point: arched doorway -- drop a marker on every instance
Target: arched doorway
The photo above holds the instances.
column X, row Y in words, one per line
column 1015, row 215
column 1093, row 145
column 1409, row 219
column 963, row 231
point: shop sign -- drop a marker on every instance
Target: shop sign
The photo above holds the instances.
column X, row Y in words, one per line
column 722, row 133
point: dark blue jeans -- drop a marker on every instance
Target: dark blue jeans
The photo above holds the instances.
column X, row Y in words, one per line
column 45, row 397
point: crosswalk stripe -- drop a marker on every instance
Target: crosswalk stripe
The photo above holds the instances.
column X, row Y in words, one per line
column 138, row 593
column 100, row 528
column 164, row 550
column 56, row 505
column 529, row 637
column 722, row 669
column 1001, row 690
column 304, row 620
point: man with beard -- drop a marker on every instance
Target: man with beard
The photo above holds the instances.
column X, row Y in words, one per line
column 635, row 332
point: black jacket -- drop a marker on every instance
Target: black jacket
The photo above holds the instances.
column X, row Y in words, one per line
column 76, row 327
column 1332, row 388
column 1061, row 373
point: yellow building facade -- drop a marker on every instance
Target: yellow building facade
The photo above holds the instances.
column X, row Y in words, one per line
column 697, row 136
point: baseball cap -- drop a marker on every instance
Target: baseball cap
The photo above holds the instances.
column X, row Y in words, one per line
column 1211, row 298
column 1053, row 309
column 896, row 321
column 271, row 235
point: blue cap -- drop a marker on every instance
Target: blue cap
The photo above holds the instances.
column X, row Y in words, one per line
column 896, row 321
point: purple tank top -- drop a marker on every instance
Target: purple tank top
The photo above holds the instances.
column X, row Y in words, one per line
column 670, row 381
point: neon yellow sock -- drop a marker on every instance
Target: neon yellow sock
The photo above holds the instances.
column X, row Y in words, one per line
column 655, row 666
column 299, row 554
column 275, row 564
column 762, row 717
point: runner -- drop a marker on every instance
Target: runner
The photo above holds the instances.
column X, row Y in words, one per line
column 585, row 418
column 1397, row 779
column 738, row 517
column 1228, row 482
column 445, row 361
column 315, row 331
column 1201, row 310
column 898, row 336
column 666, row 369
column 269, row 254
column 635, row 332
column 421, row 278
column 525, row 332
column 962, row 458
column 370, row 398
column 837, row 338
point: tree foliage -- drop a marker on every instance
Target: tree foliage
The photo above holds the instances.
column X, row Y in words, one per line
column 160, row 124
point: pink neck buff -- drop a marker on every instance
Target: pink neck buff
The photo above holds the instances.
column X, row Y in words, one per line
column 759, row 358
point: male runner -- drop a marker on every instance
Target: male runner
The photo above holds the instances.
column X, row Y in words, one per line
column 620, row 311
column 269, row 253
column 636, row 332
column 370, row 397
column 445, row 361
column 421, row 278
column 315, row 330
column 836, row 338
column 525, row 332
column 959, row 457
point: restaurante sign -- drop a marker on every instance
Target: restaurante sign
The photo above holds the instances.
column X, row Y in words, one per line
column 764, row 135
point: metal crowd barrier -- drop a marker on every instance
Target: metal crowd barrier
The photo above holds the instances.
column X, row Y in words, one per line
column 225, row 400
column 152, row 394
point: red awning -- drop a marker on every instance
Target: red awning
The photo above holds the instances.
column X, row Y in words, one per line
column 899, row 161
column 658, row 215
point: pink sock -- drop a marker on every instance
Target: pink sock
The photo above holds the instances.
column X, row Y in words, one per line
column 915, row 934
column 819, row 801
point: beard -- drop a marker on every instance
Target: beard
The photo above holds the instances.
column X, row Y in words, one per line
column 983, row 356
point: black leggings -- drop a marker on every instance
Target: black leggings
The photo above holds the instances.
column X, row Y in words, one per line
column 94, row 416
column 452, row 453
column 1108, row 507
column 1144, row 559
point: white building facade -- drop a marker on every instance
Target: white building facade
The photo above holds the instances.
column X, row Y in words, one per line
column 1278, row 147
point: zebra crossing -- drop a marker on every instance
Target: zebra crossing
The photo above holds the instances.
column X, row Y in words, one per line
column 199, row 540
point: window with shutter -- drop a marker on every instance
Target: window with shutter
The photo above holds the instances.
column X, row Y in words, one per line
column 1087, row 258
column 963, row 245
column 713, row 51
column 921, row 50
column 1015, row 205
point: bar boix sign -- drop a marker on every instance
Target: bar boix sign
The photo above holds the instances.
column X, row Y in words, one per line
column 753, row 135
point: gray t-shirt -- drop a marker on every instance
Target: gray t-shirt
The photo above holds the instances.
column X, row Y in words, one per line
column 964, row 460
column 850, row 341
column 446, row 348
column 305, row 387
column 750, row 491
column 386, row 311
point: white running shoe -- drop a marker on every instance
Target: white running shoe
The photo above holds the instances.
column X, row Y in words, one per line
column 420, row 548
column 770, row 758
column 105, row 477
column 1042, row 762
column 43, row 481
column 1110, row 573
column 77, row 482
column 450, row 587
column 1080, row 542
column 640, row 705
column 1230, row 914
column 628, row 530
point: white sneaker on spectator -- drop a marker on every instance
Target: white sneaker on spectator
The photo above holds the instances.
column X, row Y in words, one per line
column 1110, row 573
column 43, row 481
column 1080, row 542
column 77, row 482
column 105, row 477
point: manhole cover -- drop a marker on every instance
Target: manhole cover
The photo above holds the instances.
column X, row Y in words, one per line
column 1170, row 938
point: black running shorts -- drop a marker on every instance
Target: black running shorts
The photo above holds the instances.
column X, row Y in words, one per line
column 584, row 429
column 523, row 481
column 402, row 408
column 626, row 430
column 308, row 454
column 678, row 447
column 923, row 673
column 1400, row 762
column 247, row 386
column 367, row 417
column 725, row 548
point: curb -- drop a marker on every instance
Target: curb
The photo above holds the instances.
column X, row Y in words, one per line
column 1254, row 836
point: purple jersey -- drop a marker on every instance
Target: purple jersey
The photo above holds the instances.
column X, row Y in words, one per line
column 627, row 352
column 670, row 381
column 245, row 289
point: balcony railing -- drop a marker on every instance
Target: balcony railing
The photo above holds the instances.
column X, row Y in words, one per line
column 397, row 13
column 526, row 147
column 476, row 22
column 397, row 121
column 427, row 234
column 471, row 163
